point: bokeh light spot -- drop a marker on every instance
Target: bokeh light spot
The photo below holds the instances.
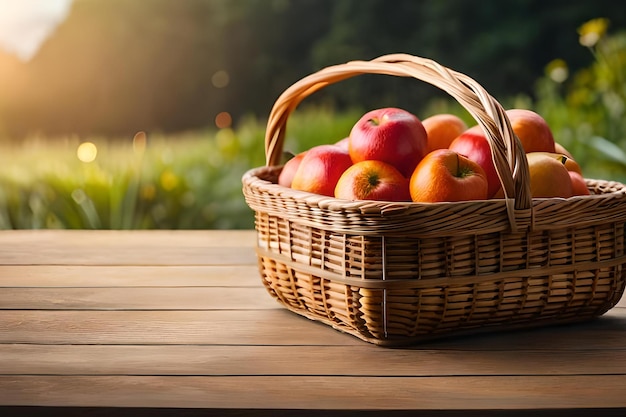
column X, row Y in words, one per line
column 139, row 142
column 557, row 70
column 87, row 152
column 223, row 120
column 220, row 79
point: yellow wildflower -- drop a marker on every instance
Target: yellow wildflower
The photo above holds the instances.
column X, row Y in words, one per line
column 592, row 31
column 169, row 180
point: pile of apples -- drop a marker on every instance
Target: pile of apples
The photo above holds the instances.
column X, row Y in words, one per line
column 392, row 155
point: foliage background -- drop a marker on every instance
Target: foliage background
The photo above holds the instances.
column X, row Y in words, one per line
column 118, row 67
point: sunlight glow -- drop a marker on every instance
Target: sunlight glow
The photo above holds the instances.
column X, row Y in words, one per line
column 26, row 24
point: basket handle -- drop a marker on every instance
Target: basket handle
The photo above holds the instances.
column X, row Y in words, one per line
column 506, row 150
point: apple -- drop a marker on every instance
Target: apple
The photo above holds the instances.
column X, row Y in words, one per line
column 558, row 148
column 568, row 161
column 391, row 135
column 442, row 129
column 532, row 130
column 579, row 186
column 548, row 176
column 289, row 170
column 445, row 175
column 474, row 145
column 343, row 143
column 373, row 180
column 320, row 169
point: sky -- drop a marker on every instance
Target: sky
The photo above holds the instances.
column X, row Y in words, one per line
column 25, row 24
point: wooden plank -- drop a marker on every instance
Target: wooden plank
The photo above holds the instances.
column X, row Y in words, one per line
column 129, row 276
column 135, row 256
column 143, row 298
column 270, row 327
column 318, row 392
column 360, row 360
column 253, row 327
column 116, row 247
column 130, row 238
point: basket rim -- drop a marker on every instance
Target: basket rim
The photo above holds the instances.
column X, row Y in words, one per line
column 370, row 217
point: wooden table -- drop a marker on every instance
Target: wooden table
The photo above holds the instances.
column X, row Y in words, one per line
column 178, row 323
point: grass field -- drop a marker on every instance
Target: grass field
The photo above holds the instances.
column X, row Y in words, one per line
column 184, row 181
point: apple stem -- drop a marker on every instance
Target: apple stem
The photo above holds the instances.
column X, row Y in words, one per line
column 461, row 172
column 374, row 121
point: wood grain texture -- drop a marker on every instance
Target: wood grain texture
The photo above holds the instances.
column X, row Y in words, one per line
column 151, row 327
column 318, row 392
column 116, row 247
column 142, row 298
column 29, row 276
column 261, row 327
column 263, row 360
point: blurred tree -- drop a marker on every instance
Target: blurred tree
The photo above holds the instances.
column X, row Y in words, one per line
column 267, row 46
column 119, row 66
column 504, row 47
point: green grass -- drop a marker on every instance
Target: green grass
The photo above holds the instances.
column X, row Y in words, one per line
column 185, row 181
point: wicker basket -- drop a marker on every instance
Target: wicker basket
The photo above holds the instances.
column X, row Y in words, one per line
column 400, row 273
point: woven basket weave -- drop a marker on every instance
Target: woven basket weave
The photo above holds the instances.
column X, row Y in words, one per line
column 400, row 273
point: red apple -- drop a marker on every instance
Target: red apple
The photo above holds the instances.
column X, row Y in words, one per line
column 320, row 169
column 373, row 180
column 289, row 170
column 579, row 186
column 391, row 135
column 473, row 145
column 444, row 175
